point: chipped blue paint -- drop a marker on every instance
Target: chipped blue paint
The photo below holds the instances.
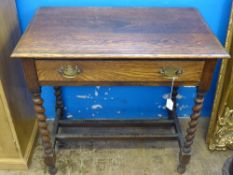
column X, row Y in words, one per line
column 128, row 102
column 69, row 116
column 118, row 102
column 84, row 96
column 96, row 106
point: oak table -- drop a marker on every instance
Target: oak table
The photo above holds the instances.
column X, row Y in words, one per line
column 118, row 46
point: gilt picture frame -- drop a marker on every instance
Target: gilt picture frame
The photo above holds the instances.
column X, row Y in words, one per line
column 220, row 131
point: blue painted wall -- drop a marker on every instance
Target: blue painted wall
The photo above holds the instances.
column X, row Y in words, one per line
column 130, row 102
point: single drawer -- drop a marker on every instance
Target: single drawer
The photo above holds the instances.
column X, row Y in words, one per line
column 126, row 72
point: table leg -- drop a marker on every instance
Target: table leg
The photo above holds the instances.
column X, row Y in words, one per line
column 59, row 115
column 59, row 102
column 185, row 152
column 49, row 156
column 172, row 114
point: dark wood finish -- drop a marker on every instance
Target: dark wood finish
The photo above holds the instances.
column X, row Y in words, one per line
column 114, row 123
column 194, row 121
column 118, row 46
column 185, row 153
column 59, row 102
column 146, row 132
column 59, row 113
column 49, row 156
column 104, row 33
column 173, row 117
column 119, row 72
column 31, row 75
column 207, row 75
column 179, row 132
column 72, row 137
column 172, row 114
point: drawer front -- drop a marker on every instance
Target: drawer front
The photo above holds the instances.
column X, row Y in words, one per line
column 116, row 72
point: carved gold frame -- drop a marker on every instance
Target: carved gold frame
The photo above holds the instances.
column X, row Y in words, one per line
column 220, row 132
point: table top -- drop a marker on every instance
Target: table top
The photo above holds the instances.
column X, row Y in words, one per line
column 117, row 33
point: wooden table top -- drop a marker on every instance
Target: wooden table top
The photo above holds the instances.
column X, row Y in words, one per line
column 103, row 33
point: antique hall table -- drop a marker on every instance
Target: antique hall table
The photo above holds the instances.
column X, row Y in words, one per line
column 118, row 46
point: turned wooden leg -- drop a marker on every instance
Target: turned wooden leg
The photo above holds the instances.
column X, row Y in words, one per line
column 49, row 156
column 59, row 102
column 172, row 114
column 59, row 115
column 185, row 152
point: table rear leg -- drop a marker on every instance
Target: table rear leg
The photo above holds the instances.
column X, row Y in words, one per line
column 59, row 102
column 172, row 114
column 59, row 115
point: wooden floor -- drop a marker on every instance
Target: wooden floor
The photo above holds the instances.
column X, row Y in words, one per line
column 130, row 158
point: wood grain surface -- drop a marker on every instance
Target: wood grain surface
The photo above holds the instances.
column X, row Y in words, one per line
column 118, row 46
column 118, row 72
column 118, row 33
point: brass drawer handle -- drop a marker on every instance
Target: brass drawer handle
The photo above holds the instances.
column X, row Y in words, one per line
column 170, row 72
column 69, row 71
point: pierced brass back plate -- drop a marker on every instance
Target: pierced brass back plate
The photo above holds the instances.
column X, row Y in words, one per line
column 171, row 72
column 69, row 71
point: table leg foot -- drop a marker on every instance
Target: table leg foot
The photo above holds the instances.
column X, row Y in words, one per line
column 50, row 162
column 181, row 168
column 49, row 156
column 184, row 159
column 52, row 170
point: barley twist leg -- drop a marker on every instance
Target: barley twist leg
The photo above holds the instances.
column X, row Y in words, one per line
column 59, row 102
column 185, row 153
column 49, row 156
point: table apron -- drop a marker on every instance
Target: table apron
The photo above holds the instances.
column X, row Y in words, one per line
column 120, row 72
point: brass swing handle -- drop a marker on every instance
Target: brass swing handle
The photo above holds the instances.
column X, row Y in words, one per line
column 171, row 72
column 69, row 71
